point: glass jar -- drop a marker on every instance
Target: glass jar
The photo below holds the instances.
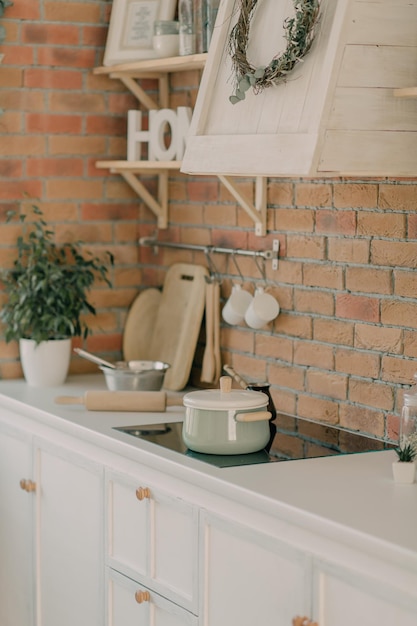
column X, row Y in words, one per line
column 166, row 39
column 408, row 424
column 166, row 27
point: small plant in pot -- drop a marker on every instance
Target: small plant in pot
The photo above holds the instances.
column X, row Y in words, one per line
column 404, row 469
column 47, row 289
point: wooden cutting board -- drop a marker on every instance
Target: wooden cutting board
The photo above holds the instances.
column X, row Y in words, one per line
column 139, row 325
column 178, row 321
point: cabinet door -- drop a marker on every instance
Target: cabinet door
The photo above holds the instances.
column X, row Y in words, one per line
column 69, row 539
column 345, row 598
column 153, row 537
column 130, row 604
column 249, row 578
column 16, row 530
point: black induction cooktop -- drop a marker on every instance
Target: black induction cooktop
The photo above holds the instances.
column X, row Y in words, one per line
column 295, row 438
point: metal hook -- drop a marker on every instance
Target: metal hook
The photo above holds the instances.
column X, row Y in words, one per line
column 237, row 267
column 214, row 273
column 262, row 269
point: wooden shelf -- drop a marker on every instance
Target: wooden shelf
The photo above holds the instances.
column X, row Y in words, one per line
column 139, row 69
column 128, row 74
column 406, row 92
column 138, row 166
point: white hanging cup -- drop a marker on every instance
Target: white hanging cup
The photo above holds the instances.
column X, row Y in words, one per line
column 235, row 308
column 263, row 309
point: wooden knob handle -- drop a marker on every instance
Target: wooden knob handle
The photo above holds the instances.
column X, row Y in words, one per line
column 142, row 596
column 143, row 492
column 303, row 621
column 27, row 485
column 225, row 384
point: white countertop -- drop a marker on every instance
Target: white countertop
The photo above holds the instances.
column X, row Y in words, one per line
column 353, row 493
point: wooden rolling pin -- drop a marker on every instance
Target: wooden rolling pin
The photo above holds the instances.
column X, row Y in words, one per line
column 151, row 401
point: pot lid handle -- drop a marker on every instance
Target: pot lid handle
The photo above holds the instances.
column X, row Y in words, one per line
column 225, row 384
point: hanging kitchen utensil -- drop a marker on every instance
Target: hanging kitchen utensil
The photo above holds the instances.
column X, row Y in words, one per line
column 216, row 323
column 208, row 367
column 139, row 325
column 178, row 321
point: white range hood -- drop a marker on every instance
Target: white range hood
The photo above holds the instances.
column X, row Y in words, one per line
column 339, row 113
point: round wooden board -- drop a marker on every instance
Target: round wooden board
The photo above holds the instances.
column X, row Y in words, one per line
column 140, row 322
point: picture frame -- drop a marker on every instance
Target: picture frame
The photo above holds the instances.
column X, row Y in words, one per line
column 130, row 31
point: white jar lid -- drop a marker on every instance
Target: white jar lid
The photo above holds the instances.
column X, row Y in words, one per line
column 216, row 400
column 410, row 399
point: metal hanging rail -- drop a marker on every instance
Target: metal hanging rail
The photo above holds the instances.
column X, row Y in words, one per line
column 267, row 255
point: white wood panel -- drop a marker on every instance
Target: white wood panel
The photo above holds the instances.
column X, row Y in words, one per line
column 69, row 539
column 372, row 109
column 383, row 23
column 248, row 577
column 153, row 540
column 16, row 529
column 365, row 153
column 378, row 66
column 343, row 598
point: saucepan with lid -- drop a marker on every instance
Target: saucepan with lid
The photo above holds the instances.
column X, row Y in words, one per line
column 226, row 421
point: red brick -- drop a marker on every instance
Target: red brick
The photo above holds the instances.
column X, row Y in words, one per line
column 397, row 197
column 326, row 384
column 60, row 34
column 364, row 420
column 322, row 275
column 318, row 409
column 357, row 307
column 399, row 313
column 355, row 195
column 333, row 331
column 66, row 57
column 381, row 338
column 47, row 123
column 348, row 250
column 357, row 363
column 336, row 222
column 313, row 194
column 369, row 280
column 373, row 224
column 54, row 167
column 294, row 220
column 374, row 394
column 306, row 247
column 394, row 253
column 52, row 79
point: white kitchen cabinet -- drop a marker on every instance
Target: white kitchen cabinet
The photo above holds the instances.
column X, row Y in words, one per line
column 249, row 577
column 69, row 538
column 114, row 531
column 344, row 597
column 152, row 536
column 131, row 604
column 16, row 529
column 51, row 538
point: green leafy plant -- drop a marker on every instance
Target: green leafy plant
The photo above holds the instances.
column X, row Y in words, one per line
column 48, row 284
column 3, row 5
column 406, row 452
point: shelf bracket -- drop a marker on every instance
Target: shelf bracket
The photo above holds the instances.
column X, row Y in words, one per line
column 136, row 90
column 158, row 207
column 257, row 211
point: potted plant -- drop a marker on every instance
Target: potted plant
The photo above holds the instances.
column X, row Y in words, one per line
column 3, row 5
column 46, row 291
column 404, row 468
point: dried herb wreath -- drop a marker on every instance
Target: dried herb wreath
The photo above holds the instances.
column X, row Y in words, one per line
column 299, row 34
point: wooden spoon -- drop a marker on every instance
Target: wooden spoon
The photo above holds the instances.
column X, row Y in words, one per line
column 209, row 364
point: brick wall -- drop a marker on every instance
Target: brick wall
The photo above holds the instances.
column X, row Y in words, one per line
column 344, row 347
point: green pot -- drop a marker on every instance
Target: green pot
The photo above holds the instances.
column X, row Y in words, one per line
column 235, row 422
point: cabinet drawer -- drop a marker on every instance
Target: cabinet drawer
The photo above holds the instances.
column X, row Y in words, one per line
column 130, row 604
column 152, row 536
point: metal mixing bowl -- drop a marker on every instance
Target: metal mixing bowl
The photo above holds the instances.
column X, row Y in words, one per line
column 135, row 376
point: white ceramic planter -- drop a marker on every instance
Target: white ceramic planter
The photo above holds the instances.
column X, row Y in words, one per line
column 45, row 364
column 404, row 472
